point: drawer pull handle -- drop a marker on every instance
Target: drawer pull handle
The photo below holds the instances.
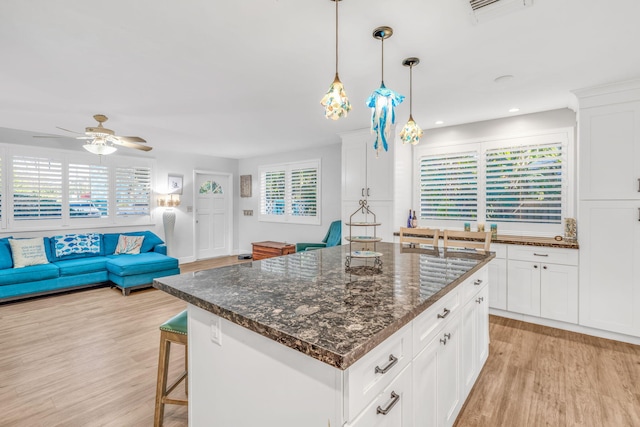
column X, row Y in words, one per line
column 535, row 254
column 638, row 185
column 479, row 300
column 447, row 336
column 443, row 341
column 478, row 282
column 446, row 313
column 395, row 397
column 392, row 361
column 362, row 191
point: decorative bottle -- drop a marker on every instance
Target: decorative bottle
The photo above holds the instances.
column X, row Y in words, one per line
column 410, row 220
column 414, row 220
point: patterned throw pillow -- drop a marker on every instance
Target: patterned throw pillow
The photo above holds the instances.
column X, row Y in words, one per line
column 27, row 252
column 77, row 244
column 129, row 245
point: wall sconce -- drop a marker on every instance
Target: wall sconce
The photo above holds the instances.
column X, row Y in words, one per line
column 169, row 200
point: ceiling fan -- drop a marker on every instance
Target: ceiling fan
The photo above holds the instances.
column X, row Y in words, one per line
column 102, row 141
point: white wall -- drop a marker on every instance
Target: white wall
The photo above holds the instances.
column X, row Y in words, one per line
column 252, row 230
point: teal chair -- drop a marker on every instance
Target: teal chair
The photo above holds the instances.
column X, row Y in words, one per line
column 333, row 238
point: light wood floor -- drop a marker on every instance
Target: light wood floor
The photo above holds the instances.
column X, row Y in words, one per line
column 89, row 358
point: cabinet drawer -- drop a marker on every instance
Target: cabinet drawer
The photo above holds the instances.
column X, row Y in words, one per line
column 427, row 325
column 543, row 254
column 473, row 284
column 371, row 374
column 390, row 408
column 500, row 250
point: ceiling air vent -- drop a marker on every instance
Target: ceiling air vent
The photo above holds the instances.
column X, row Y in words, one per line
column 482, row 10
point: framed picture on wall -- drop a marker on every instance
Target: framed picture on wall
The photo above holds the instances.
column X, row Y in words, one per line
column 245, row 185
column 175, row 184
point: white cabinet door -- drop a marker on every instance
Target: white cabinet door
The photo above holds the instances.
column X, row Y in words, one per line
column 559, row 292
column 354, row 172
column 523, row 287
column 379, row 172
column 498, row 283
column 469, row 343
column 436, row 376
column 610, row 266
column 482, row 323
column 610, row 151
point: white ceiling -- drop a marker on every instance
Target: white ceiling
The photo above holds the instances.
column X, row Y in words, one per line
column 242, row 78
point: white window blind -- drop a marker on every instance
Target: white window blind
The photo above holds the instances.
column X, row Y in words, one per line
column 449, row 186
column 304, row 192
column 133, row 190
column 273, row 192
column 88, row 191
column 37, row 188
column 525, row 184
column 290, row 192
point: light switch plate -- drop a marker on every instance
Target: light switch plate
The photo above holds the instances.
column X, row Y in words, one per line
column 216, row 332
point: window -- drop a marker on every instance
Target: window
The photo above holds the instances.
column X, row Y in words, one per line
column 37, row 188
column 88, row 191
column 133, row 191
column 524, row 184
column 290, row 192
column 520, row 183
column 449, row 186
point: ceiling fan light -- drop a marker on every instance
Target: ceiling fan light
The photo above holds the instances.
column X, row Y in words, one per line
column 100, row 149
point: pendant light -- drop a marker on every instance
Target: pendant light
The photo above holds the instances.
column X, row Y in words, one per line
column 411, row 133
column 335, row 102
column 383, row 101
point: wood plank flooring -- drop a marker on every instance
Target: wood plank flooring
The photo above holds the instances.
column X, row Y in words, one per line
column 89, row 358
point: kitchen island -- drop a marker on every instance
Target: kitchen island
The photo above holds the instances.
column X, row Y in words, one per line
column 301, row 340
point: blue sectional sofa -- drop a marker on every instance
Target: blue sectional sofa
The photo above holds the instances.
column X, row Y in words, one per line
column 77, row 270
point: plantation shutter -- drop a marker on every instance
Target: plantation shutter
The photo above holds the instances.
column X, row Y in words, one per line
column 37, row 188
column 88, row 190
column 304, row 192
column 133, row 190
column 449, row 186
column 524, row 184
column 273, row 192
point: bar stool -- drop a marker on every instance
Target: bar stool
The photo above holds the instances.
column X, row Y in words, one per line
column 173, row 330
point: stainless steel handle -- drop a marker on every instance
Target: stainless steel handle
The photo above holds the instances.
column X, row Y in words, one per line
column 447, row 336
column 394, row 399
column 535, row 266
column 443, row 341
column 362, row 191
column 392, row 361
column 446, row 313
column 478, row 282
column 638, row 214
column 535, row 254
column 638, row 185
column 479, row 300
column 545, row 267
column 368, row 192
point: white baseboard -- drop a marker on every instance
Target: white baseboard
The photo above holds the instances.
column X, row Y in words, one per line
column 566, row 326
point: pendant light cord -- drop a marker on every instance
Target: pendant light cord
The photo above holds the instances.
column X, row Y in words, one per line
column 382, row 62
column 336, row 36
column 411, row 91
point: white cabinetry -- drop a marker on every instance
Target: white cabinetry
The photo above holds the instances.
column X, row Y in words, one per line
column 475, row 337
column 365, row 176
column 609, row 194
column 498, row 277
column 543, row 282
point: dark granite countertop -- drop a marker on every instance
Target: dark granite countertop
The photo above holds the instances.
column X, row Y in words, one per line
column 309, row 302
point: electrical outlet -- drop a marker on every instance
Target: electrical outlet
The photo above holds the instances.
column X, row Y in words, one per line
column 189, row 209
column 248, row 212
column 216, row 332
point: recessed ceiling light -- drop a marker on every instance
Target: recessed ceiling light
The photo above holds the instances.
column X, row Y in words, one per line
column 514, row 110
column 439, row 122
column 503, row 79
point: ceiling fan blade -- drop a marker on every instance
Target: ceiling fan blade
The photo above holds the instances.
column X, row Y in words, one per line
column 131, row 139
column 127, row 144
column 67, row 130
column 51, row 136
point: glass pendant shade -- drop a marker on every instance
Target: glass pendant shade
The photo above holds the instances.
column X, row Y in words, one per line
column 335, row 102
column 411, row 132
column 382, row 103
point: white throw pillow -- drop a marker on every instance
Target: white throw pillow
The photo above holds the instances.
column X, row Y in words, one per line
column 129, row 245
column 27, row 252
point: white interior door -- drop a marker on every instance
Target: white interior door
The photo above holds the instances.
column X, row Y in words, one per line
column 213, row 203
